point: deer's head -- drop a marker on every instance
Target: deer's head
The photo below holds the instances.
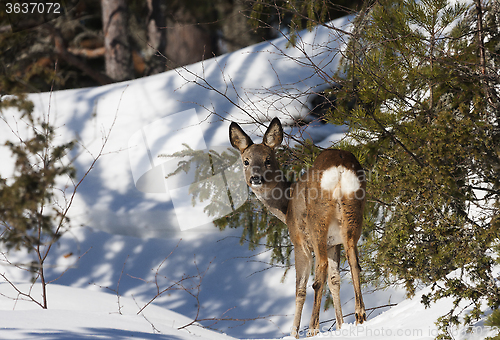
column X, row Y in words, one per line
column 262, row 170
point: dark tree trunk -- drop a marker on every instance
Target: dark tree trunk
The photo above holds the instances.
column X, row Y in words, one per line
column 235, row 29
column 157, row 36
column 187, row 41
column 118, row 56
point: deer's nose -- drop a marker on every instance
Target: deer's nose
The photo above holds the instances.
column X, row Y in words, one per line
column 256, row 180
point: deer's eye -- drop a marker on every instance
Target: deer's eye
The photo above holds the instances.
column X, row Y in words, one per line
column 245, row 162
column 267, row 162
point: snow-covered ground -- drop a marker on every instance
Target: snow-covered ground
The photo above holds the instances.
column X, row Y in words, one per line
column 102, row 292
column 77, row 313
column 128, row 230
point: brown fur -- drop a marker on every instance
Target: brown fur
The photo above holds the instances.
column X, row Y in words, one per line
column 318, row 221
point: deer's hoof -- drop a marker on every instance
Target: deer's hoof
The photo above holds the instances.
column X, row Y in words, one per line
column 360, row 317
column 312, row 332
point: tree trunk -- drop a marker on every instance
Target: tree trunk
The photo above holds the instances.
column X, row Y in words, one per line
column 157, row 37
column 118, row 56
column 236, row 32
column 188, row 42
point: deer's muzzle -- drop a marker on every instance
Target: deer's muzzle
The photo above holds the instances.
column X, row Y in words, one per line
column 256, row 180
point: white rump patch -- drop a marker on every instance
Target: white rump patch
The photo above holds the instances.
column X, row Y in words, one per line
column 340, row 181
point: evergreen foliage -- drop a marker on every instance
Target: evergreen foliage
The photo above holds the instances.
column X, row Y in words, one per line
column 256, row 222
column 294, row 15
column 418, row 90
column 427, row 118
column 494, row 321
column 32, row 214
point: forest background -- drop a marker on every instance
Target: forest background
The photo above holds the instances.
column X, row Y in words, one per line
column 97, row 42
column 418, row 90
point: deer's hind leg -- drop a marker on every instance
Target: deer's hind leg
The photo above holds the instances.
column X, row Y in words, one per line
column 320, row 275
column 352, row 257
column 334, row 282
column 351, row 224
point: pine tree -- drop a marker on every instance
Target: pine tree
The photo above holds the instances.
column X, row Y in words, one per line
column 424, row 80
column 418, row 92
column 33, row 216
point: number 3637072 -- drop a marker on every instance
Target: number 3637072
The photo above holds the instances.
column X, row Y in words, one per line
column 33, row 7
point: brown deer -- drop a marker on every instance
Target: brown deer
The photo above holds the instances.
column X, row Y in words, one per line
column 323, row 209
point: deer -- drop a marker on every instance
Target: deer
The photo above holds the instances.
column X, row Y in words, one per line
column 322, row 209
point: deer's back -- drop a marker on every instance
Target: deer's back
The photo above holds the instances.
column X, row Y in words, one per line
column 335, row 177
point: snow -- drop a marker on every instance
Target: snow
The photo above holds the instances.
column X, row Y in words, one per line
column 129, row 240
column 84, row 314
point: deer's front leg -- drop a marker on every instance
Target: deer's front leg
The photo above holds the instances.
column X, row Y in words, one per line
column 303, row 262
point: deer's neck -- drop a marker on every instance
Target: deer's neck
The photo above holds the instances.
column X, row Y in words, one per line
column 276, row 199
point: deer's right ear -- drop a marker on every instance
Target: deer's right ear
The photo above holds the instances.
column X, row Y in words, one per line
column 238, row 138
column 274, row 134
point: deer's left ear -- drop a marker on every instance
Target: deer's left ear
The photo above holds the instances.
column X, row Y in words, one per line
column 274, row 134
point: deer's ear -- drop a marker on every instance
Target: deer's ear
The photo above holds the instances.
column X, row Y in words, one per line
column 274, row 134
column 238, row 138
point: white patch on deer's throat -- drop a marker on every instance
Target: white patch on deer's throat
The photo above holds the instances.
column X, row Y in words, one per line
column 340, row 181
